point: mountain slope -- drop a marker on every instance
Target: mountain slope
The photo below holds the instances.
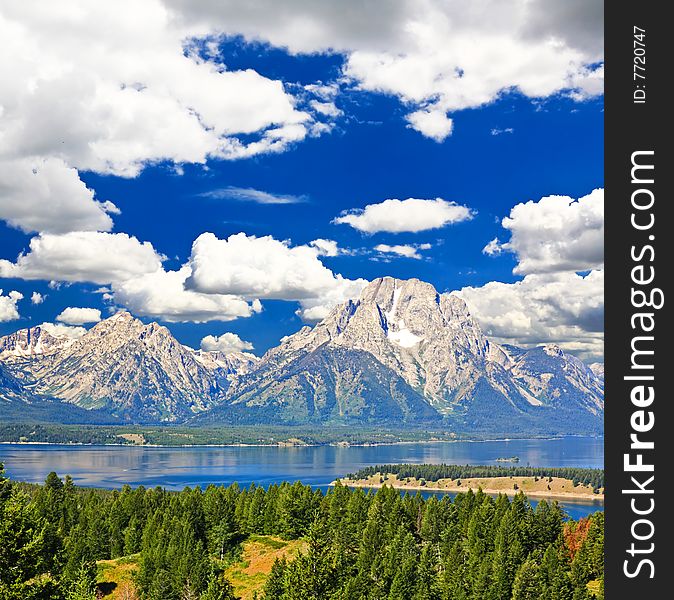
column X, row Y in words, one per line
column 33, row 343
column 140, row 372
column 324, row 384
column 556, row 378
column 431, row 353
column 401, row 353
column 10, row 389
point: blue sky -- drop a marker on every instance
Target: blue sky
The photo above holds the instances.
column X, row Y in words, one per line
column 514, row 149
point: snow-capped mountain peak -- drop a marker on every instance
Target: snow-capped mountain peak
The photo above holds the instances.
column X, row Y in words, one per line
column 400, row 352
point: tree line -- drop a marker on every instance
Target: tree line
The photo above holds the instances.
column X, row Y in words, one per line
column 591, row 477
column 359, row 545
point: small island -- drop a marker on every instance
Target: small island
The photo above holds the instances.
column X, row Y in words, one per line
column 561, row 483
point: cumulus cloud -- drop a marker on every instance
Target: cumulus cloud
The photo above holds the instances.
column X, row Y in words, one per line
column 406, row 250
column 434, row 124
column 162, row 294
column 564, row 308
column 319, row 307
column 434, row 55
column 223, row 280
column 8, row 309
column 258, row 267
column 93, row 87
column 493, row 248
column 59, row 330
column 37, row 298
column 97, row 84
column 253, row 195
column 451, row 57
column 226, row 343
column 90, row 256
column 74, row 315
column 263, row 267
column 411, row 215
column 329, row 109
column 556, row 233
column 46, row 195
column 326, row 247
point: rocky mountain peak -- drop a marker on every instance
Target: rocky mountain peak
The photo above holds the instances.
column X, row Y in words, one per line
column 402, row 350
column 553, row 350
column 33, row 341
column 598, row 369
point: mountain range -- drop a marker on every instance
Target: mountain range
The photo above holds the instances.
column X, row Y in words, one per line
column 401, row 354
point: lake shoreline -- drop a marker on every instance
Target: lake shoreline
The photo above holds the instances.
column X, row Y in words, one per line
column 340, row 444
column 429, row 487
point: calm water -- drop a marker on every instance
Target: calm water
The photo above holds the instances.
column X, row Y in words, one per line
column 175, row 468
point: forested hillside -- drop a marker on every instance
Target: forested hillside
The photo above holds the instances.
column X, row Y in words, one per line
column 356, row 546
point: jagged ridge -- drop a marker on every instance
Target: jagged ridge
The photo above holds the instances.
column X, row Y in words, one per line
column 402, row 352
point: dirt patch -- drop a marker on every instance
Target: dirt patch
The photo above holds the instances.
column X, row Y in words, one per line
column 115, row 578
column 249, row 574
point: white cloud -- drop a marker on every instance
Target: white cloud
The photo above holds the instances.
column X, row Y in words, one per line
column 587, row 83
column 328, row 109
column 253, row 195
column 96, row 85
column 411, row 215
column 92, row 87
column 96, row 257
column 324, row 91
column 162, row 294
column 315, row 309
column 60, row 330
column 74, row 315
column 497, row 131
column 408, row 251
column 226, row 343
column 434, row 124
column 258, row 267
column 8, row 309
column 37, row 298
column 326, row 247
column 449, row 56
column 557, row 233
column 493, row 248
column 564, row 308
column 263, row 267
column 323, row 25
column 47, row 195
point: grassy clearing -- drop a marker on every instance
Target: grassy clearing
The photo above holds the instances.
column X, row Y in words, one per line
column 115, row 578
column 249, row 574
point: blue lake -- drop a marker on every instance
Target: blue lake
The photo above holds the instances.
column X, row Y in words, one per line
column 176, row 468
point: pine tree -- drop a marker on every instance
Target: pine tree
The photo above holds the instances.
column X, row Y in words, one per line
column 24, row 563
column 314, row 569
column 218, row 589
column 426, row 586
column 83, row 587
column 275, row 585
column 162, row 587
column 369, row 562
column 508, row 555
column 405, row 580
column 133, row 536
column 528, row 584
